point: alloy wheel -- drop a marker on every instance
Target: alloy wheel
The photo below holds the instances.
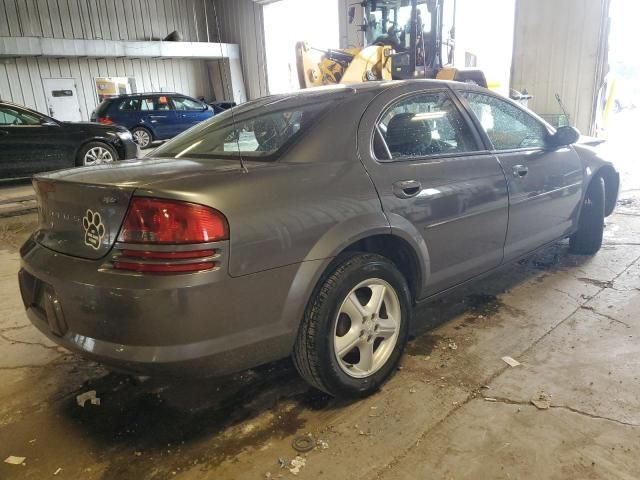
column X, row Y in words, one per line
column 142, row 138
column 367, row 328
column 97, row 156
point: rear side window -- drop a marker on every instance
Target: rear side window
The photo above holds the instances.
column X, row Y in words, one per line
column 187, row 104
column 422, row 125
column 257, row 133
column 155, row 103
column 130, row 105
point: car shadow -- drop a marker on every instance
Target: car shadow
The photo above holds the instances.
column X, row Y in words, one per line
column 201, row 419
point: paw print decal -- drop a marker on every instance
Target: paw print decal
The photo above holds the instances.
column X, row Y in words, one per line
column 93, row 229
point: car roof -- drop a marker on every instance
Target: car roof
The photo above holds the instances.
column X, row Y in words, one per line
column 340, row 90
column 145, row 94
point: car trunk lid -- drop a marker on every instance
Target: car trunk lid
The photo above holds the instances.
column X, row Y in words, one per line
column 68, row 200
column 79, row 219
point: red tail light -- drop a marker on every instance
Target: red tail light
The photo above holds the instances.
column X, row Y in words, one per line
column 169, row 222
column 153, row 220
column 105, row 120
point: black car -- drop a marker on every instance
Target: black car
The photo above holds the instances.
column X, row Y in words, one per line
column 31, row 142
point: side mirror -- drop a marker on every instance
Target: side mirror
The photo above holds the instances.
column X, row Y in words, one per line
column 47, row 122
column 564, row 136
column 352, row 14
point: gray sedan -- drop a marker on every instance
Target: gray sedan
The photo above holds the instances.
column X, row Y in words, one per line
column 307, row 224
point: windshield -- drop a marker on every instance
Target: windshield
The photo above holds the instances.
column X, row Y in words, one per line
column 260, row 131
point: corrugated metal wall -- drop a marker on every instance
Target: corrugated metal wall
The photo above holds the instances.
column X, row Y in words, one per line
column 560, row 47
column 241, row 22
column 21, row 78
column 104, row 19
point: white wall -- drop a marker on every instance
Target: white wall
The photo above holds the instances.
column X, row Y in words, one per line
column 21, row 78
column 560, row 47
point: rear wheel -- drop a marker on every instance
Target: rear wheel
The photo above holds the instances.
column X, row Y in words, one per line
column 588, row 239
column 355, row 327
column 142, row 137
column 96, row 153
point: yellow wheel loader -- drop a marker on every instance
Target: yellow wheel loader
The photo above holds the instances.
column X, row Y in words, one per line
column 403, row 40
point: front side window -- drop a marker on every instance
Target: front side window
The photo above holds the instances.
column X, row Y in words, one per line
column 186, row 104
column 507, row 126
column 256, row 133
column 422, row 125
column 10, row 116
column 155, row 103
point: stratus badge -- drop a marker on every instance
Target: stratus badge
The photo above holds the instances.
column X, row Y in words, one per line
column 93, row 229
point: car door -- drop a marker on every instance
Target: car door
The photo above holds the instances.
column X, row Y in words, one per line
column 434, row 179
column 544, row 183
column 29, row 143
column 189, row 111
column 157, row 112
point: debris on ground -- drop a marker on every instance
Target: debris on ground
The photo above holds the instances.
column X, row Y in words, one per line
column 303, row 443
column 322, row 444
column 57, row 471
column 90, row 395
column 296, row 464
column 510, row 361
column 283, row 462
column 11, row 460
column 542, row 401
column 490, row 399
column 412, row 390
column 453, row 346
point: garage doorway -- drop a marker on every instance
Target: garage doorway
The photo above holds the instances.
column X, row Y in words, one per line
column 289, row 21
column 618, row 101
column 62, row 99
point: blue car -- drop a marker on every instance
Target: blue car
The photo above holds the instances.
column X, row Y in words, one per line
column 152, row 116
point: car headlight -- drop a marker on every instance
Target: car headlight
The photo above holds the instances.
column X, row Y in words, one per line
column 124, row 136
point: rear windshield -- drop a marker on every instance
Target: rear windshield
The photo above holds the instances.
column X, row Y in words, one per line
column 260, row 131
column 102, row 107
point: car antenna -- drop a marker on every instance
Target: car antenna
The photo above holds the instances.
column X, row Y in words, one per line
column 564, row 110
column 227, row 83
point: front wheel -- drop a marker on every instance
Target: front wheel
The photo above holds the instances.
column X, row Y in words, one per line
column 355, row 327
column 96, row 153
column 588, row 239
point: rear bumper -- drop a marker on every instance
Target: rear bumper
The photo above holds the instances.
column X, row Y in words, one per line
column 203, row 324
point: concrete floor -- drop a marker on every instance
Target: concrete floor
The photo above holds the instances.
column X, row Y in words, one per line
column 453, row 410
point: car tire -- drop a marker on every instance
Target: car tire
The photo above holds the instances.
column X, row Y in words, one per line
column 142, row 136
column 333, row 322
column 588, row 239
column 96, row 153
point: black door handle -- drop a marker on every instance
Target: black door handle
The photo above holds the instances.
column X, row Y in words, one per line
column 406, row 188
column 520, row 171
column 3, row 132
